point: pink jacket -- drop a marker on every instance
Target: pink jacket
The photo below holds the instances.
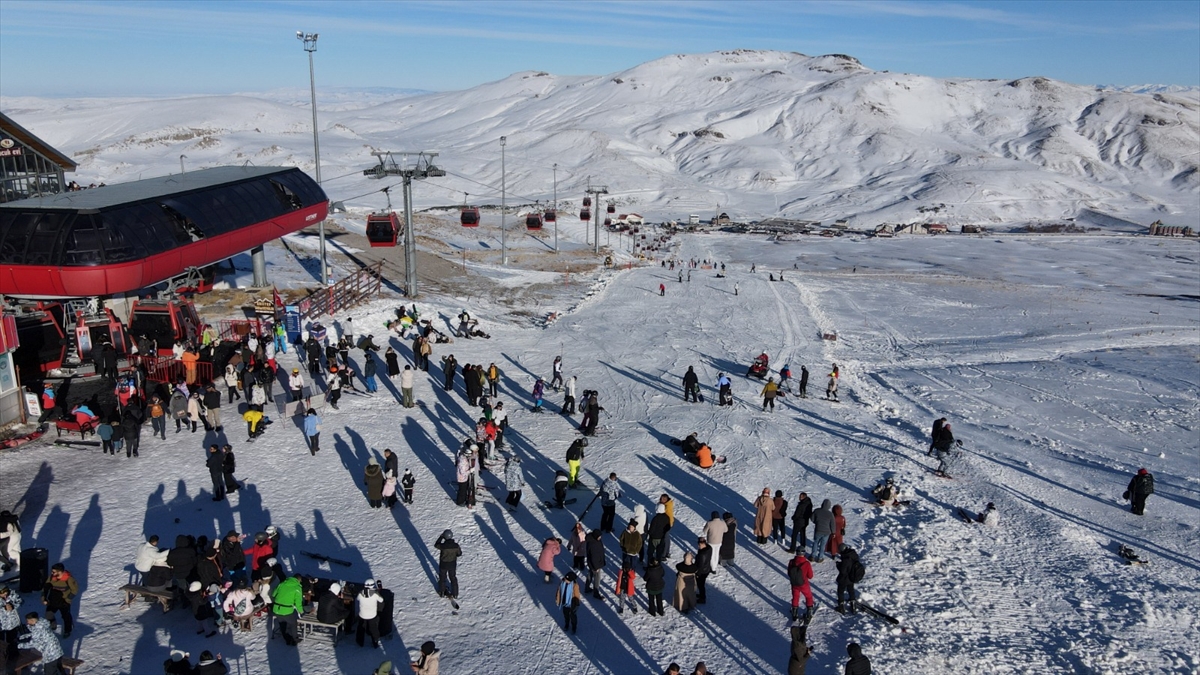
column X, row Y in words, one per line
column 550, row 549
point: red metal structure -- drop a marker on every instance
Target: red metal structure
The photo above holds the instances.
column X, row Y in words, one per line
column 550, row 216
column 469, row 216
column 127, row 237
column 585, row 214
column 533, row 221
column 383, row 229
column 165, row 322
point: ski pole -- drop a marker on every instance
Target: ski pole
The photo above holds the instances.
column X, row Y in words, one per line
column 588, row 508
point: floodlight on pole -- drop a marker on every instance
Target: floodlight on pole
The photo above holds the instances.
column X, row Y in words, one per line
column 503, row 203
column 310, row 46
column 555, row 207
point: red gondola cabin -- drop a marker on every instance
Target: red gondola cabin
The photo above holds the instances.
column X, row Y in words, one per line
column 469, row 216
column 533, row 221
column 383, row 228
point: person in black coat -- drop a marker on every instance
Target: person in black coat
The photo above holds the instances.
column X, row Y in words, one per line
column 233, row 559
column 331, row 607
column 655, row 584
column 595, row 562
column 656, row 533
column 800, row 518
column 312, row 349
column 212, row 403
column 216, row 470
column 803, row 391
column 704, row 554
column 131, row 426
column 393, row 362
column 858, row 664
column 391, row 469
column 228, row 466
column 1141, row 487
column 449, row 367
column 208, row 567
column 210, row 665
column 182, row 560
column 691, row 385
column 845, row 584
column 933, row 434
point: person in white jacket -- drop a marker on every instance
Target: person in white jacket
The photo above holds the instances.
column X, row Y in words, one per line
column 240, row 604
column 369, row 601
column 10, row 540
column 296, row 389
column 152, row 563
column 406, row 387
column 639, row 519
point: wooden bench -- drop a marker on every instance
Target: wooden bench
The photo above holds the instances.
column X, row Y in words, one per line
column 29, row 657
column 132, row 591
column 72, row 425
column 307, row 625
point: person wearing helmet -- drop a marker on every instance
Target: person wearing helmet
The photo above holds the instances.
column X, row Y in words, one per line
column 448, row 554
column 295, row 385
column 575, row 459
column 466, row 469
column 369, row 601
column 333, row 392
column 539, row 388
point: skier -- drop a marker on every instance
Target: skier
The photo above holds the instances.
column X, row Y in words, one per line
column 799, row 573
column 989, row 516
column 769, row 391
column 575, row 459
column 465, row 469
column 216, row 471
column 858, row 664
column 763, row 506
column 725, row 387
column 610, row 492
column 368, row 601
column 625, row 588
column 550, row 550
column 691, row 385
column 500, row 419
column 312, row 431
column 803, row 382
column 568, row 406
column 850, row 572
column 800, row 518
column 943, row 446
column 408, row 482
column 556, row 381
column 1140, row 487
column 703, row 569
column 934, row 433
column 886, row 493
column 448, row 554
column 728, row 548
column 539, row 388
column 823, row 524
column 596, row 561
column 592, row 413
column 568, row 598
column 779, row 507
column 735, row 289
column 514, row 480
column 832, row 387
column 655, row 584
column 685, row 584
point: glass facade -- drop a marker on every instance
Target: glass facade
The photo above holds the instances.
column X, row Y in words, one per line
column 26, row 173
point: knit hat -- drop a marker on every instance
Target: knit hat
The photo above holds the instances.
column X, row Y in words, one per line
column 335, row 588
column 661, row 508
column 373, row 462
column 177, row 655
column 428, row 647
column 194, row 587
column 1142, row 472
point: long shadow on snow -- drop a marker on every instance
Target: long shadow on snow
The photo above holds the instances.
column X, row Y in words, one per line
column 827, row 426
column 83, row 539
column 643, row 379
column 33, row 502
column 853, row 489
column 764, row 640
column 437, row 461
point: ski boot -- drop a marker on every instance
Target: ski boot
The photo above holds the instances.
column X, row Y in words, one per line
column 853, row 607
column 840, row 609
column 795, row 613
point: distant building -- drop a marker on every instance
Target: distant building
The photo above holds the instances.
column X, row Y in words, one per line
column 936, row 228
column 29, row 167
column 629, row 219
column 1157, row 229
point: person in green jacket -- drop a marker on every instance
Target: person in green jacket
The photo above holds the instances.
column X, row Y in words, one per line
column 288, row 605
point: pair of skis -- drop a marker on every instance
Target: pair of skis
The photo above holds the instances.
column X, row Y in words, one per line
column 325, row 558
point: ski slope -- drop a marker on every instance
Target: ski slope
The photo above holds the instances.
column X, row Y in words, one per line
column 1063, row 363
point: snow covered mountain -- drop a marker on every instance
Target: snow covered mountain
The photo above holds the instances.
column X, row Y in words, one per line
column 751, row 133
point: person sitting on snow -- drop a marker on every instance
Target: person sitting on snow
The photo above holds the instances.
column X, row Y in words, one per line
column 886, row 493
column 989, row 516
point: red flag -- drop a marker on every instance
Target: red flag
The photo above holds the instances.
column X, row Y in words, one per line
column 275, row 297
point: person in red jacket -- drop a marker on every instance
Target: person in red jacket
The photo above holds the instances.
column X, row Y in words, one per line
column 799, row 573
column 262, row 549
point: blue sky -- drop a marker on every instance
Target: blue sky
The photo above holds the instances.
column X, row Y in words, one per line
column 71, row 48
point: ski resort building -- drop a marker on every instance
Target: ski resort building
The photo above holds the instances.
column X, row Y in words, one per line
column 29, row 167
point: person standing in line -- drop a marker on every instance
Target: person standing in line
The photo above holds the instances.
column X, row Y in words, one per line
column 703, row 569
column 823, row 524
column 685, row 584
column 373, row 480
column 577, row 545
column 779, row 508
column 408, row 482
column 728, row 541
column 212, row 407
column 568, row 598
column 391, row 469
column 228, row 467
column 625, row 588
column 800, row 518
column 216, row 471
column 849, row 572
column 312, row 431
column 763, row 506
column 800, row 573
column 657, row 532
column 1139, row 489
column 58, row 593
column 655, row 584
column 631, row 543
column 610, row 492
column 406, row 387
column 449, row 368
column 839, row 531
column 369, row 601
column 448, row 554
column 595, row 562
column 493, row 380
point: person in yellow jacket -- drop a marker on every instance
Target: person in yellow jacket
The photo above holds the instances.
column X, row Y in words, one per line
column 769, row 391
column 253, row 421
column 669, row 506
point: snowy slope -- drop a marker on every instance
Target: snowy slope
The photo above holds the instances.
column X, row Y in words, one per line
column 752, row 133
column 1063, row 363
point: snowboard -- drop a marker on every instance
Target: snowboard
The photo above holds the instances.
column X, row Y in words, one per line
column 1131, row 557
column 880, row 615
column 325, row 558
column 549, row 504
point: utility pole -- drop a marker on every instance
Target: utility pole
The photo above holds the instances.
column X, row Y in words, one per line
column 503, row 203
column 556, row 207
column 310, row 46
column 596, row 191
column 423, row 167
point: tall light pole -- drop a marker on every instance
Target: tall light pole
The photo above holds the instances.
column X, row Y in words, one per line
column 503, row 203
column 181, row 158
column 310, row 46
column 556, row 207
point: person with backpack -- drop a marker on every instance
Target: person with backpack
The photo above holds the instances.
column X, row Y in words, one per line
column 1141, row 487
column 568, row 598
column 850, row 572
column 800, row 573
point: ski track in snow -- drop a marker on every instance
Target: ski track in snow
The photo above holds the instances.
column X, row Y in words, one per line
column 1054, row 385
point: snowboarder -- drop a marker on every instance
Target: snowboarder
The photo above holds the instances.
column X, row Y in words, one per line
column 568, row 598
column 610, row 492
column 373, row 480
column 779, row 507
column 803, row 390
column 691, row 385
column 312, row 431
column 550, row 550
column 850, row 572
column 685, row 584
column 800, row 518
column 1140, row 487
column 823, row 525
column 832, row 387
column 408, row 482
column 368, row 601
column 448, row 554
column 769, row 391
column 596, row 562
column 763, row 506
column 725, row 389
column 704, row 568
column 575, row 459
column 556, row 381
column 655, row 584
column 514, row 481
column 785, row 374
column 800, row 572
column 858, row 664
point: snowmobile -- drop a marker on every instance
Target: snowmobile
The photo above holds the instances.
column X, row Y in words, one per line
column 759, row 367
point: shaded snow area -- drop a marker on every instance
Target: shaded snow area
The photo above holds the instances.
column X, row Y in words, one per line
column 1063, row 364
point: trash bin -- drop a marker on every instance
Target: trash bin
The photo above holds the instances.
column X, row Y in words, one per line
column 35, row 569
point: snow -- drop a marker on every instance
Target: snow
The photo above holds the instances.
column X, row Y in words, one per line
column 1063, row 363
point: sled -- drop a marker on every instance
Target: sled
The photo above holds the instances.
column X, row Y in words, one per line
column 21, row 440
